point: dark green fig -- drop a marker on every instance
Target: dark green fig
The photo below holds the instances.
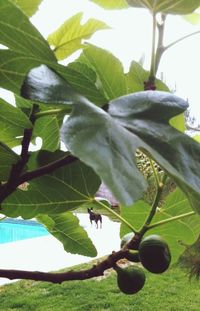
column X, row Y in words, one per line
column 154, row 254
column 130, row 280
column 126, row 238
column 133, row 256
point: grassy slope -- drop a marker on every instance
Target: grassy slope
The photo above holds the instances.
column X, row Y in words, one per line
column 171, row 291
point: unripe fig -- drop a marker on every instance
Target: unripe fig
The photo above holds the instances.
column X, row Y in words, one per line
column 130, row 280
column 154, row 254
column 133, row 256
column 126, row 238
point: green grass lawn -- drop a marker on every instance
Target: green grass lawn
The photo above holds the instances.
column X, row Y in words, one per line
column 171, row 291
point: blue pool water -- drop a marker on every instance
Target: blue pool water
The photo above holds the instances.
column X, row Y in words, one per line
column 12, row 230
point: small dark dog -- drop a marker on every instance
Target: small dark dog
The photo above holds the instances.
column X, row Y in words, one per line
column 95, row 217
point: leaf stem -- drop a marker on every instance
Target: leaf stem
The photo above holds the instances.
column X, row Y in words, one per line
column 165, row 221
column 181, row 39
column 160, row 47
column 51, row 112
column 154, row 206
column 154, row 172
column 152, row 68
column 116, row 215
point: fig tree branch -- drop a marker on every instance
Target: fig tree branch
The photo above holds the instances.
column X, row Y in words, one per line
column 154, row 206
column 96, row 270
column 18, row 167
column 27, row 176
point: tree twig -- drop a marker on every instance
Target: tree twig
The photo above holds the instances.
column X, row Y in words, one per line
column 18, row 167
column 96, row 270
column 27, row 176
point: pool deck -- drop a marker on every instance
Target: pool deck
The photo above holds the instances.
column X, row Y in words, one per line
column 47, row 254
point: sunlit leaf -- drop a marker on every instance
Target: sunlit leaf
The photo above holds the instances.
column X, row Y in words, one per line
column 65, row 227
column 178, row 122
column 68, row 37
column 28, row 7
column 197, row 138
column 193, row 18
column 18, row 34
column 109, row 71
column 171, row 6
column 111, row 4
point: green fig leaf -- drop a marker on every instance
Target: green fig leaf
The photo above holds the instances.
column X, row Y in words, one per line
column 178, row 234
column 65, row 227
column 12, row 123
column 139, row 120
column 104, row 63
column 7, row 159
column 67, row 39
column 136, row 77
column 28, row 7
column 63, row 190
column 111, row 4
column 167, row 7
column 193, row 18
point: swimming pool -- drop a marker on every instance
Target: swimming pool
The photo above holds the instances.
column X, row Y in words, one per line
column 12, row 230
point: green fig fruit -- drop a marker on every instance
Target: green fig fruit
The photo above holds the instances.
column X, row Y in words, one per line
column 154, row 254
column 126, row 238
column 133, row 256
column 130, row 280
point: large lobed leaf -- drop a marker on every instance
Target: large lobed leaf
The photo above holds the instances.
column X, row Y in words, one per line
column 109, row 70
column 68, row 37
column 65, row 227
column 27, row 49
column 147, row 115
column 108, row 142
column 171, row 6
column 178, row 234
column 19, row 35
column 63, row 190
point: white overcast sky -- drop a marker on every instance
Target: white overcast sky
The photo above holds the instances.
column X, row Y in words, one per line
column 130, row 38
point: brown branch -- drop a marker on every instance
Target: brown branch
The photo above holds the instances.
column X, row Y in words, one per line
column 18, row 167
column 27, row 176
column 96, row 270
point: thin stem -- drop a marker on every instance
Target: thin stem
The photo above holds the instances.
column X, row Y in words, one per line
column 160, row 48
column 51, row 112
column 152, row 68
column 165, row 221
column 116, row 215
column 154, row 206
column 18, row 167
column 154, row 172
column 181, row 39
